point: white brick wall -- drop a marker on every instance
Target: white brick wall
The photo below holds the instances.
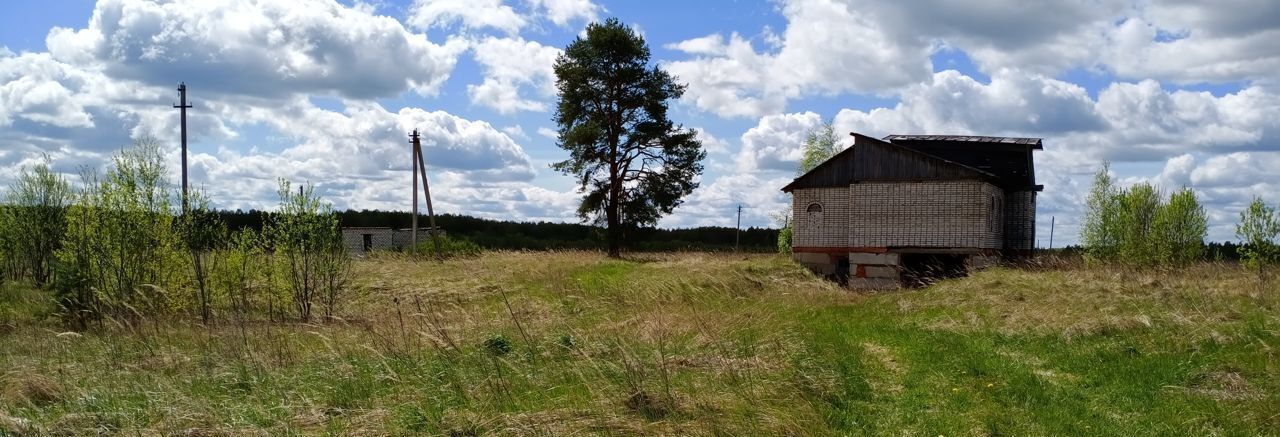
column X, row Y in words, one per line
column 828, row 229
column 919, row 214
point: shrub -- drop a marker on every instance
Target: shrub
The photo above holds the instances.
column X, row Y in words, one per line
column 1258, row 229
column 449, row 247
column 1133, row 226
column 34, row 222
column 308, row 240
column 498, row 345
column 121, row 253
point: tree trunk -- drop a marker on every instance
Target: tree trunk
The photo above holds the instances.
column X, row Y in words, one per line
column 614, row 230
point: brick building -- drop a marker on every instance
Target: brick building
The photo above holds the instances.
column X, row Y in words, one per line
column 908, row 207
column 361, row 240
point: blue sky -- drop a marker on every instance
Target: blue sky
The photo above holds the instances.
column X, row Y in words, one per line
column 1172, row 92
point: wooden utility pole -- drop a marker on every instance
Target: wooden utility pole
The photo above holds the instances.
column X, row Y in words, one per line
column 182, row 109
column 413, row 239
column 737, row 229
column 1051, row 220
column 419, row 162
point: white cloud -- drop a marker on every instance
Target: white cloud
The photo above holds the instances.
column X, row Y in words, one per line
column 469, row 14
column 562, row 12
column 1188, row 42
column 710, row 143
column 366, row 146
column 549, row 133
column 829, row 47
column 257, row 48
column 35, row 87
column 776, row 142
column 510, row 65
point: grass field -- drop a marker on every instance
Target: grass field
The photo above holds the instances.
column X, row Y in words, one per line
column 562, row 343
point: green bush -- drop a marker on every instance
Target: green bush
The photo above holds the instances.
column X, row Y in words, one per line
column 121, row 253
column 1133, row 226
column 449, row 247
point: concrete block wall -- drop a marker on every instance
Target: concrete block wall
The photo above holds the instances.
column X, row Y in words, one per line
column 925, row 214
column 830, row 228
column 353, row 239
column 875, row 271
column 820, row 263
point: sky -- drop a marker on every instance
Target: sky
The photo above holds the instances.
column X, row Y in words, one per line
column 1178, row 93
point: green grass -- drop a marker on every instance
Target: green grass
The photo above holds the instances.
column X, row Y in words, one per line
column 675, row 344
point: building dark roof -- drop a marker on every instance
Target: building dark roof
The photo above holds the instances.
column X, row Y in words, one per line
column 1036, row 143
column 870, row 159
column 1008, row 158
column 1005, row 162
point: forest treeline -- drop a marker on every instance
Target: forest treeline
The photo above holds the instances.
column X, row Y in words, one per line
column 514, row 235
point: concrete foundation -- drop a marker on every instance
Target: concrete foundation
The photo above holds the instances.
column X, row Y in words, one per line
column 820, row 263
column 874, row 271
column 884, row 270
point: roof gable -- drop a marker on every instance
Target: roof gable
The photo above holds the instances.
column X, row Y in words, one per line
column 870, row 159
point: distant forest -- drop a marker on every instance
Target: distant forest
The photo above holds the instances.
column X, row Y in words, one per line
column 498, row 234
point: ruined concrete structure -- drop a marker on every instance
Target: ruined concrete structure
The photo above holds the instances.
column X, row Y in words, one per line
column 361, row 240
column 906, row 207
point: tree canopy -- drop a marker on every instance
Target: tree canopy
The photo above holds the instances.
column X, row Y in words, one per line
column 633, row 164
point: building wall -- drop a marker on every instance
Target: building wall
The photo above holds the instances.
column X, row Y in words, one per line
column 943, row 214
column 353, row 239
column 826, row 229
column 1020, row 227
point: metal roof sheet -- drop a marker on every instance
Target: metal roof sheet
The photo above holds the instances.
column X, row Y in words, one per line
column 967, row 139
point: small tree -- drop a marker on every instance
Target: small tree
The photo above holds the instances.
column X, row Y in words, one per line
column 1258, row 229
column 306, row 234
column 1180, row 227
column 1099, row 233
column 633, row 163
column 820, row 144
column 121, row 253
column 1138, row 207
column 36, row 219
column 202, row 231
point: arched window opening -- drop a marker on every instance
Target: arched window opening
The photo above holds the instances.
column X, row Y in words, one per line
column 814, row 212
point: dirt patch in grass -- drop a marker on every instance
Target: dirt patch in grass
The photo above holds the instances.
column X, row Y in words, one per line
column 1223, row 385
column 890, row 380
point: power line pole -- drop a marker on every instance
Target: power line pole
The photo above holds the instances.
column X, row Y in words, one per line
column 426, row 188
column 1051, row 223
column 737, row 229
column 182, row 109
column 413, row 240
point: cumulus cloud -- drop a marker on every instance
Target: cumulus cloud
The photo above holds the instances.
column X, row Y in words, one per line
column 826, row 48
column 776, row 142
column 35, row 87
column 469, row 14
column 257, row 48
column 841, row 46
column 865, row 46
column 1188, row 42
column 365, row 144
column 510, row 66
column 1013, row 102
column 562, row 12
